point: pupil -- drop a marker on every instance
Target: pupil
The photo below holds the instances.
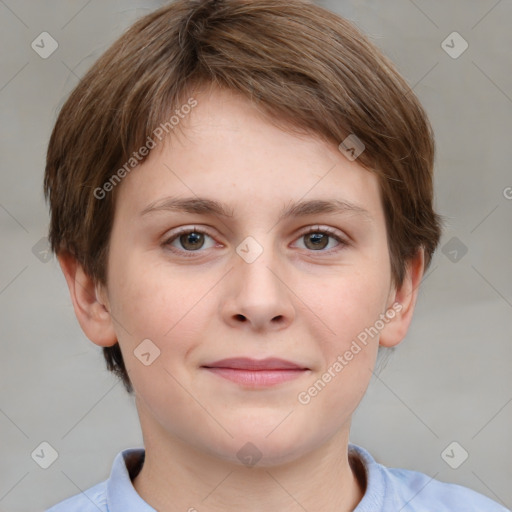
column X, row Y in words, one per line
column 317, row 238
column 192, row 239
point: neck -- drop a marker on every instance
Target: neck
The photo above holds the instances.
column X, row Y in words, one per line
column 177, row 477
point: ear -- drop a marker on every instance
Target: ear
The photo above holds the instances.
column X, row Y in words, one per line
column 402, row 302
column 89, row 301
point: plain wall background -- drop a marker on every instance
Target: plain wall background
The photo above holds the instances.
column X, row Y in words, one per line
column 450, row 380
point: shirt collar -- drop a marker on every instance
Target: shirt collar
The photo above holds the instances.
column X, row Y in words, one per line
column 122, row 496
column 376, row 490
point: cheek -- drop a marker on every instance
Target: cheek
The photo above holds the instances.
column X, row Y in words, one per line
column 153, row 304
column 169, row 306
column 348, row 302
column 348, row 308
column 149, row 296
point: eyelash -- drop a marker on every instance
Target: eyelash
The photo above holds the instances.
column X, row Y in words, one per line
column 313, row 229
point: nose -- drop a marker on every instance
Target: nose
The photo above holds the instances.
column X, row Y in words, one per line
column 258, row 297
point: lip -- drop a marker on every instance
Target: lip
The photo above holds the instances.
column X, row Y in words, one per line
column 256, row 372
column 247, row 363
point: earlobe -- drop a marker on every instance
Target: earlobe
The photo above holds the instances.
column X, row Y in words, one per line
column 91, row 308
column 403, row 302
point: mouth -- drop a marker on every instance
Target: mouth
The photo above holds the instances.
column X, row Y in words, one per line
column 256, row 373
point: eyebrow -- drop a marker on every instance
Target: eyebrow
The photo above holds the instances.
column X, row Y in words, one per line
column 204, row 206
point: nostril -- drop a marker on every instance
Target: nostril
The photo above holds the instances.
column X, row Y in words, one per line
column 241, row 317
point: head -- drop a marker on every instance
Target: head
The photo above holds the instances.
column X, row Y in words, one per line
column 246, row 103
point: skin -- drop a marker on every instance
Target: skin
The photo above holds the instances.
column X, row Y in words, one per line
column 295, row 301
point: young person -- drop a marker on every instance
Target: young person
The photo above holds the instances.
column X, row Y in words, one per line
column 241, row 203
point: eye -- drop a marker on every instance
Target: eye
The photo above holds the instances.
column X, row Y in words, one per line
column 188, row 240
column 317, row 239
column 191, row 240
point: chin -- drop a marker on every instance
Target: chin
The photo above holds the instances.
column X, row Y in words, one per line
column 253, row 446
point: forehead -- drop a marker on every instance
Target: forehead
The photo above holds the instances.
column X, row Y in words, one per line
column 227, row 151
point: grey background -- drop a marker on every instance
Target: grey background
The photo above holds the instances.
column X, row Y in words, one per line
column 450, row 380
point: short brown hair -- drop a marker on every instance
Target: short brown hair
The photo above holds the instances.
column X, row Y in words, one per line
column 302, row 65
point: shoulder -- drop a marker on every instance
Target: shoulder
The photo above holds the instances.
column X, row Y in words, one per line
column 411, row 491
column 114, row 494
column 423, row 493
column 91, row 500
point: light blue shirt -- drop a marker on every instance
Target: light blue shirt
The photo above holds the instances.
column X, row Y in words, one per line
column 387, row 490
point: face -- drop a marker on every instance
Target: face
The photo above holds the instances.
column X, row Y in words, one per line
column 264, row 279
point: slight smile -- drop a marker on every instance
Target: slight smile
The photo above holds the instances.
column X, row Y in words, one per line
column 256, row 373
